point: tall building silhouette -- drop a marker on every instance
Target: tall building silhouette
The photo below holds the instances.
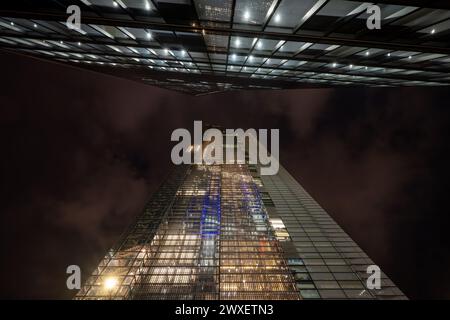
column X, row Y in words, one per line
column 227, row 232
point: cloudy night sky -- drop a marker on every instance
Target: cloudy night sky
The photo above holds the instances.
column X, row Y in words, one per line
column 82, row 151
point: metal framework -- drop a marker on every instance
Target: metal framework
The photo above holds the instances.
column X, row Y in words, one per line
column 223, row 232
column 215, row 241
column 205, row 46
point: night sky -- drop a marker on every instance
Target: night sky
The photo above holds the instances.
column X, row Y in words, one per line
column 82, row 151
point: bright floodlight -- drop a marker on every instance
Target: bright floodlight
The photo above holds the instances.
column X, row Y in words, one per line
column 110, row 283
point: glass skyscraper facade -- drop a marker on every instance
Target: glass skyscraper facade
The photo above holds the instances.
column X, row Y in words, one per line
column 221, row 232
column 207, row 46
column 224, row 231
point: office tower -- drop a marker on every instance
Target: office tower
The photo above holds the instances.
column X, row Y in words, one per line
column 226, row 232
column 207, row 46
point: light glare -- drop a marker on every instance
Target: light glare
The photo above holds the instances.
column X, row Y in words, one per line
column 110, row 283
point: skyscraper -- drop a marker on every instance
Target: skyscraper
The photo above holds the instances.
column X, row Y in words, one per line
column 207, row 46
column 227, row 232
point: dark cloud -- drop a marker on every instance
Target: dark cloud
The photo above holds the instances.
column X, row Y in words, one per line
column 82, row 151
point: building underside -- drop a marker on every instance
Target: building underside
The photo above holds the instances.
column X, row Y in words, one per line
column 207, row 46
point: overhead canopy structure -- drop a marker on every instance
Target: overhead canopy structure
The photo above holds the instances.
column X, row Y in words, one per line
column 206, row 46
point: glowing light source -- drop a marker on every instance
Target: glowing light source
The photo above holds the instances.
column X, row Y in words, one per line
column 334, row 64
column 35, row 25
column 115, row 4
column 110, row 283
column 246, row 15
column 277, row 18
column 237, row 43
column 149, row 35
column 433, row 31
column 120, row 3
column 367, row 53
